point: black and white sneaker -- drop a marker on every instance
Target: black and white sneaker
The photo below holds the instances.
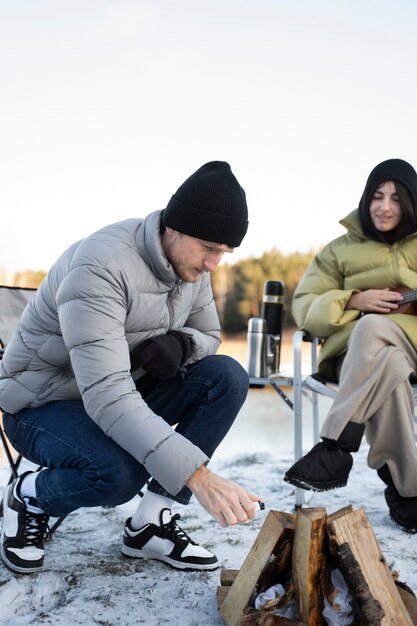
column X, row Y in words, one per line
column 167, row 542
column 23, row 532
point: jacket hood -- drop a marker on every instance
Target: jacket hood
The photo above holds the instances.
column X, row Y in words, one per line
column 395, row 170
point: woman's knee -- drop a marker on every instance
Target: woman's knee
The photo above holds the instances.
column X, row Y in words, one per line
column 371, row 327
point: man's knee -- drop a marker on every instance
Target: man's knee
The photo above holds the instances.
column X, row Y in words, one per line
column 120, row 479
column 234, row 382
column 229, row 369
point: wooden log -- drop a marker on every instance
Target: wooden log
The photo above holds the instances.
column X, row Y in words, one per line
column 410, row 603
column 227, row 576
column 238, row 598
column 278, row 568
column 308, row 559
column 222, row 591
column 356, row 550
column 340, row 512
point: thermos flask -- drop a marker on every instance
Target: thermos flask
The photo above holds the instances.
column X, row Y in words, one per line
column 273, row 312
column 257, row 347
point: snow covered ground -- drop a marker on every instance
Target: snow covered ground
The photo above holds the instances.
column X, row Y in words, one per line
column 87, row 581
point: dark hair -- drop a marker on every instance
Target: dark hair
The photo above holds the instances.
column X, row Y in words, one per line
column 404, row 228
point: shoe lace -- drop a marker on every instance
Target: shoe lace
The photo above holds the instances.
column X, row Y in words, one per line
column 173, row 532
column 36, row 528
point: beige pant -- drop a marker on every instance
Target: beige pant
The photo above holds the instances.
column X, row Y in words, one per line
column 374, row 389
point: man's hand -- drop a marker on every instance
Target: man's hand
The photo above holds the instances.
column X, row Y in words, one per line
column 225, row 500
column 163, row 355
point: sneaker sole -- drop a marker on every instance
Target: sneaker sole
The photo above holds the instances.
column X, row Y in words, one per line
column 15, row 568
column 312, row 486
column 143, row 554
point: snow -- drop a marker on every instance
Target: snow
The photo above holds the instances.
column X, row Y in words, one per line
column 87, row 581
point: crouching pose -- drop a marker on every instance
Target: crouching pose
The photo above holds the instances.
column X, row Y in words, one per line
column 117, row 347
column 352, row 295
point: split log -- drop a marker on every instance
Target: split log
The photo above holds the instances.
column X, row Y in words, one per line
column 265, row 545
column 299, row 552
column 308, row 562
column 410, row 603
column 227, row 577
column 278, row 568
column 356, row 550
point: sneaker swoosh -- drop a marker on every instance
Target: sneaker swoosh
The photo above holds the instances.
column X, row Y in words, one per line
column 163, row 546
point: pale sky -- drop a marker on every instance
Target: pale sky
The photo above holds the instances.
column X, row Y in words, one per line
column 107, row 106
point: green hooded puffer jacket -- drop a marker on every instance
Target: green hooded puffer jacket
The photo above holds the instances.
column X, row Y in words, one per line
column 349, row 264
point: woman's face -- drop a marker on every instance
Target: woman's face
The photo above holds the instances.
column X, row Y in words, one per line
column 385, row 209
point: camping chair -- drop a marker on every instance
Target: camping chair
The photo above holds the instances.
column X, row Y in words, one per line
column 12, row 302
column 311, row 386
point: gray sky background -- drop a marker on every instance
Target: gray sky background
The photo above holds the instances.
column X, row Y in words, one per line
column 108, row 105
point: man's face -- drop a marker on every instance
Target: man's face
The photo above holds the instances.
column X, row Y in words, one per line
column 191, row 257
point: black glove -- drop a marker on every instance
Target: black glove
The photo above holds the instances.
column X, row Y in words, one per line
column 162, row 356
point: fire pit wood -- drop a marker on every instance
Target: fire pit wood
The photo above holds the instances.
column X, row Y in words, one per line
column 359, row 557
column 410, row 603
column 227, row 578
column 262, row 551
column 308, row 562
column 299, row 552
column 255, row 618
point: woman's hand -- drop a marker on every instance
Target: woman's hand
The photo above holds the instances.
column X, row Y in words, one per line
column 375, row 301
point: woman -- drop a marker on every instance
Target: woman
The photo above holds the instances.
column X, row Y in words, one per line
column 348, row 297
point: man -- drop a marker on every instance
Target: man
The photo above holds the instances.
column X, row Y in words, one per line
column 117, row 346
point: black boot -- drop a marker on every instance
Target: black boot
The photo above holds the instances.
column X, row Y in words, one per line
column 402, row 510
column 385, row 475
column 328, row 464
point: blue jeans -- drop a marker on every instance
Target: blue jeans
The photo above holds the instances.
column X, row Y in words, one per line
column 86, row 468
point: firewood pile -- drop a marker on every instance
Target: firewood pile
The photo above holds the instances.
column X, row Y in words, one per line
column 314, row 569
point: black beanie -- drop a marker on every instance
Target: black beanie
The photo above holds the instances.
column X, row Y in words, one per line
column 209, row 205
column 395, row 170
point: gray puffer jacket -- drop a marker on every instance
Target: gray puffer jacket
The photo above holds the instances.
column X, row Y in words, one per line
column 103, row 296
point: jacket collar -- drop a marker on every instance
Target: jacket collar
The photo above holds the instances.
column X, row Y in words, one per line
column 353, row 225
column 148, row 240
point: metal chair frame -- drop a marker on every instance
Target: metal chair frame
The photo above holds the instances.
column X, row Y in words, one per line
column 12, row 311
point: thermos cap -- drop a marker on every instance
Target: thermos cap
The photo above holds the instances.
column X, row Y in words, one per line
column 257, row 325
column 274, row 287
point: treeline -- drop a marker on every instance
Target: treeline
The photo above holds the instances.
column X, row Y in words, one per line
column 238, row 288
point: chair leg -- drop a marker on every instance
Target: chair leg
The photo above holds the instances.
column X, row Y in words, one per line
column 54, row 526
column 14, row 464
column 298, row 419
